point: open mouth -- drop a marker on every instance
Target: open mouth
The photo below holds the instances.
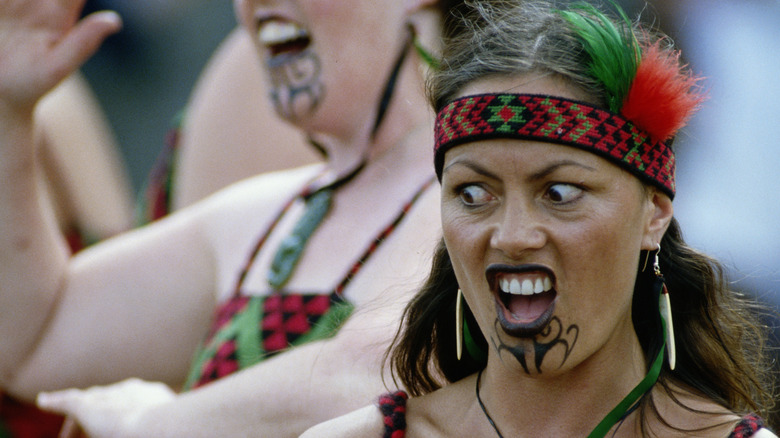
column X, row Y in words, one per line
column 282, row 36
column 525, row 297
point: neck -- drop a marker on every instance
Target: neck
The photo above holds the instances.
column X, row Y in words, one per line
column 407, row 112
column 568, row 404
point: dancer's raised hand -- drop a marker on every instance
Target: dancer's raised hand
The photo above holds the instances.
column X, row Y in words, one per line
column 42, row 42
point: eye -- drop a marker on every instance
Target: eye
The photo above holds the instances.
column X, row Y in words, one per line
column 563, row 193
column 473, row 195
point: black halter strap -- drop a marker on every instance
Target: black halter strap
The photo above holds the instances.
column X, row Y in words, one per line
column 387, row 94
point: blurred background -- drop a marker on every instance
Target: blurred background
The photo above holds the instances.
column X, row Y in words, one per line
column 727, row 200
column 143, row 75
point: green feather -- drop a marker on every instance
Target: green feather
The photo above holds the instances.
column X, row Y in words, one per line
column 614, row 52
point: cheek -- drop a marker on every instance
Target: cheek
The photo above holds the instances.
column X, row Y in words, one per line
column 607, row 257
column 467, row 263
column 334, row 16
column 462, row 240
column 323, row 8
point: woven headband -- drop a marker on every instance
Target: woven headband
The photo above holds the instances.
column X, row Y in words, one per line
column 555, row 120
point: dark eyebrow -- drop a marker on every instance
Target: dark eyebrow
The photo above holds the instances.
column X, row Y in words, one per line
column 555, row 166
column 541, row 174
column 474, row 167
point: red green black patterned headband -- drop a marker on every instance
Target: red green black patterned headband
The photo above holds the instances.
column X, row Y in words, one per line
column 555, row 120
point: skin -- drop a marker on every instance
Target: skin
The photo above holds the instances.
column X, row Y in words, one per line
column 351, row 64
column 83, row 172
column 229, row 99
column 150, row 294
column 583, row 216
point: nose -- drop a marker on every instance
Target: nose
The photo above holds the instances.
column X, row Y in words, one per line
column 518, row 229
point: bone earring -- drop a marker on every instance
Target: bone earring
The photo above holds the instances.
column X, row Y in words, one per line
column 665, row 309
column 459, row 324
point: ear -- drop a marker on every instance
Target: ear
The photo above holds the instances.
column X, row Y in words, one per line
column 660, row 213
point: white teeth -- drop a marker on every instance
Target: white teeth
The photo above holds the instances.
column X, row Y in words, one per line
column 526, row 287
column 276, row 32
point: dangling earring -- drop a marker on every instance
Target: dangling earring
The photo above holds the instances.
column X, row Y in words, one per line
column 459, row 324
column 463, row 335
column 665, row 309
column 647, row 258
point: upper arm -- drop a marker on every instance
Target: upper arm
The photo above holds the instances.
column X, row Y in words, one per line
column 133, row 305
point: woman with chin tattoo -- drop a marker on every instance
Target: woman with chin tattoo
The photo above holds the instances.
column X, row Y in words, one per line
column 297, row 279
column 563, row 301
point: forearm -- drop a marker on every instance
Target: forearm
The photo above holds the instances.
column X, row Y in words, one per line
column 281, row 397
column 32, row 253
column 42, row 43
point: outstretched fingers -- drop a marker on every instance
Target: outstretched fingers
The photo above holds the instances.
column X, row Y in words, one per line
column 44, row 41
column 82, row 41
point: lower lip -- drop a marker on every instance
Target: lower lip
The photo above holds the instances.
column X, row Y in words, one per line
column 276, row 60
column 524, row 328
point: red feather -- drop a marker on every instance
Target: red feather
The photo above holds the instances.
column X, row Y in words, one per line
column 663, row 96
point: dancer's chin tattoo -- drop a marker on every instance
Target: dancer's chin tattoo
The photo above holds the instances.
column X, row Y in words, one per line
column 551, row 336
column 296, row 83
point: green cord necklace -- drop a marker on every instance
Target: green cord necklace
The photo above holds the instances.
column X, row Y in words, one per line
column 291, row 248
column 318, row 202
column 617, row 413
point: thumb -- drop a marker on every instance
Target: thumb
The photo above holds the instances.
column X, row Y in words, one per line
column 83, row 41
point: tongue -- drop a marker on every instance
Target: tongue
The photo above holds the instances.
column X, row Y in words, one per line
column 527, row 308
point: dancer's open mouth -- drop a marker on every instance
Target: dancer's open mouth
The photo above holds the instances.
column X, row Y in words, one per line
column 525, row 297
column 281, row 36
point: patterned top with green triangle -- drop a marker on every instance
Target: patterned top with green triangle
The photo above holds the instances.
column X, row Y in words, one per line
column 249, row 329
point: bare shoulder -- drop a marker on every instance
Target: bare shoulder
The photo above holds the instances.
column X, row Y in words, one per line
column 361, row 423
column 261, row 197
column 269, row 191
column 222, row 217
column 688, row 411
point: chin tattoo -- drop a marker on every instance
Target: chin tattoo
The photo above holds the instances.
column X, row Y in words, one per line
column 296, row 83
column 551, row 336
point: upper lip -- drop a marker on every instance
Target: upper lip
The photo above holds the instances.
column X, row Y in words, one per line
column 274, row 31
column 494, row 272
